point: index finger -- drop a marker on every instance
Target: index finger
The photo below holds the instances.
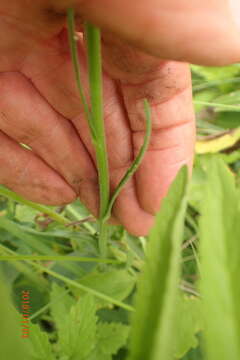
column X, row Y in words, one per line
column 194, row 31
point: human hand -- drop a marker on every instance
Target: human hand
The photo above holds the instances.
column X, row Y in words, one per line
column 40, row 107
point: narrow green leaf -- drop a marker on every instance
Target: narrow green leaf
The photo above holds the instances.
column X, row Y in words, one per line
column 220, row 258
column 154, row 322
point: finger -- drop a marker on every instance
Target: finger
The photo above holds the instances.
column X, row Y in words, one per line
column 199, row 32
column 27, row 175
column 27, row 118
column 172, row 141
column 61, row 92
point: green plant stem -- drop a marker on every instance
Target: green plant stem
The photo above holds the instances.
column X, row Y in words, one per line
column 93, row 39
column 95, row 116
column 73, row 283
column 57, row 258
column 95, row 83
column 73, row 212
column 75, row 61
column 133, row 168
column 96, row 123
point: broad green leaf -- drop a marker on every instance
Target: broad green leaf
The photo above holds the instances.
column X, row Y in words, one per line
column 220, row 259
column 61, row 303
column 110, row 338
column 79, row 338
column 41, row 347
column 189, row 323
column 154, row 324
column 115, row 283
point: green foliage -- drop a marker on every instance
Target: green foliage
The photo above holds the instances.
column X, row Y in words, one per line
column 109, row 339
column 95, row 116
column 12, row 346
column 78, row 339
column 217, row 73
column 81, row 336
column 80, row 301
column 115, row 283
column 220, row 257
column 40, row 346
column 231, row 98
column 188, row 324
column 153, row 330
column 60, row 303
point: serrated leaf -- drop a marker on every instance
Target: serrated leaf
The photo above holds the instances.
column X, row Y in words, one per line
column 189, row 323
column 110, row 338
column 79, row 338
column 61, row 303
column 220, row 258
column 154, row 327
column 41, row 347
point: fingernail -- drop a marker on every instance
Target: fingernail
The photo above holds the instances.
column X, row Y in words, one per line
column 235, row 9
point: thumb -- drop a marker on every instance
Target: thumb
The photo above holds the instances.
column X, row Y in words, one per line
column 205, row 32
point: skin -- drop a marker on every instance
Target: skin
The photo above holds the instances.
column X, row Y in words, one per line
column 39, row 105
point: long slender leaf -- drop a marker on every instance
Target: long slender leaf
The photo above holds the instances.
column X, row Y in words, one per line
column 220, row 259
column 153, row 324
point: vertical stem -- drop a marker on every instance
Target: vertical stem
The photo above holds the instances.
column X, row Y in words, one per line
column 93, row 38
column 95, row 117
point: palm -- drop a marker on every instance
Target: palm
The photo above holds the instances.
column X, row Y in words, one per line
column 48, row 117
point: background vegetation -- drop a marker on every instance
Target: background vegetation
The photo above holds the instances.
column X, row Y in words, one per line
column 187, row 302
